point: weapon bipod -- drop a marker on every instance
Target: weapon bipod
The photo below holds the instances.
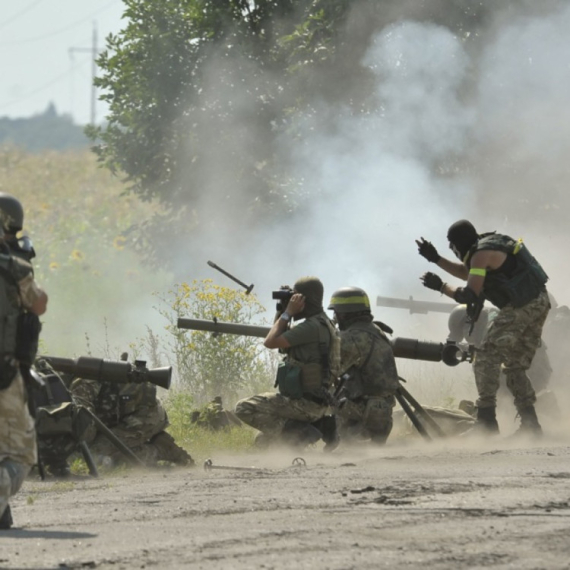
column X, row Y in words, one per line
column 406, row 400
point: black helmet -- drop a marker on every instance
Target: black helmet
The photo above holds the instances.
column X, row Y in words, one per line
column 349, row 300
column 462, row 236
column 11, row 214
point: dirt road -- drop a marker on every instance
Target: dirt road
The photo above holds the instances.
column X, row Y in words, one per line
column 442, row 506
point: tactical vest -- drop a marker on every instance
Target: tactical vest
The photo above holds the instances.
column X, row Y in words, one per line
column 315, row 376
column 376, row 375
column 9, row 314
column 521, row 278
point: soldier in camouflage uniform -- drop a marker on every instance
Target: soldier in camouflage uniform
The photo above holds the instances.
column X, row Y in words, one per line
column 213, row 416
column 501, row 270
column 540, row 370
column 304, row 377
column 366, row 357
column 18, row 293
column 134, row 414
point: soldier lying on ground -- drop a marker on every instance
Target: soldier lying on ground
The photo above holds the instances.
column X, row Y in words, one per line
column 134, row 414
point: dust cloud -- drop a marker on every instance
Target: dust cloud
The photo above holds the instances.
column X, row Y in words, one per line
column 456, row 126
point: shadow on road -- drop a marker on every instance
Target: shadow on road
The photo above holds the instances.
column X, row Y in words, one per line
column 49, row 534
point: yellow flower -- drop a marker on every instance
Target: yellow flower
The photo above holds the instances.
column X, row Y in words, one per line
column 54, row 265
column 119, row 242
column 77, row 255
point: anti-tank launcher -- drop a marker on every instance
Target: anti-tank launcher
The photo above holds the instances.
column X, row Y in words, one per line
column 111, row 371
column 450, row 353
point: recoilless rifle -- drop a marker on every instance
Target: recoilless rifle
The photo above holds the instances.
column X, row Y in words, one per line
column 60, row 418
column 450, row 353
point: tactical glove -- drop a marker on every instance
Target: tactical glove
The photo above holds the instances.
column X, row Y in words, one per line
column 432, row 281
column 427, row 249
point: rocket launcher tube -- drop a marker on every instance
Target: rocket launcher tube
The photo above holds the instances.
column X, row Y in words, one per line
column 450, row 353
column 110, row 370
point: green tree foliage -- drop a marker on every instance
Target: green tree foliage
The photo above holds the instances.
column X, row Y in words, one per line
column 202, row 93
column 155, row 75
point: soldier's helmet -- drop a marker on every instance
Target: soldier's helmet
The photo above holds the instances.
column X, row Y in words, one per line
column 11, row 214
column 457, row 323
column 349, row 300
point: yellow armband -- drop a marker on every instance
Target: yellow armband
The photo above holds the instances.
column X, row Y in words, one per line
column 478, row 271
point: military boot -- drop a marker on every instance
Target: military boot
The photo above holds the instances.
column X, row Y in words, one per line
column 487, row 420
column 327, row 425
column 6, row 520
column 529, row 423
column 486, row 423
column 299, row 434
column 168, row 450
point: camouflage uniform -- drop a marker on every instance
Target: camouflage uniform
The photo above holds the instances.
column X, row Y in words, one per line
column 540, row 370
column 213, row 416
column 366, row 356
column 17, row 435
column 134, row 414
column 511, row 340
column 269, row 412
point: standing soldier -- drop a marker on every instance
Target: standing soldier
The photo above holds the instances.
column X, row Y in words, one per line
column 366, row 357
column 501, row 270
column 19, row 296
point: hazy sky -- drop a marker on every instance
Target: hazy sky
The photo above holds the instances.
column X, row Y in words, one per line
column 36, row 64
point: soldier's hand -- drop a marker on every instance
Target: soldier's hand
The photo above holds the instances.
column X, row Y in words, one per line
column 296, row 304
column 427, row 249
column 432, row 281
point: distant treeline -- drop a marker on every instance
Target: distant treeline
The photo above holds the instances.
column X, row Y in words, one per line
column 47, row 131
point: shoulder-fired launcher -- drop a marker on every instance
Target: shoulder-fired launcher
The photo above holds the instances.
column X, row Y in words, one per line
column 110, row 370
column 450, row 353
column 414, row 306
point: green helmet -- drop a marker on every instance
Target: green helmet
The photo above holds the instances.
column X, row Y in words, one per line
column 349, row 300
column 11, row 214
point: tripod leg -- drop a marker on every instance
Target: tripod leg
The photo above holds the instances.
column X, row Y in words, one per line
column 88, row 458
column 409, row 412
column 421, row 412
column 102, row 428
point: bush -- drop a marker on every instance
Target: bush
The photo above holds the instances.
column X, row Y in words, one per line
column 208, row 365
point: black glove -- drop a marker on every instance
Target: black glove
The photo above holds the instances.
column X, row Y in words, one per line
column 432, row 281
column 427, row 249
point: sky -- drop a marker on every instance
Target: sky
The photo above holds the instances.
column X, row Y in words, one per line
column 46, row 48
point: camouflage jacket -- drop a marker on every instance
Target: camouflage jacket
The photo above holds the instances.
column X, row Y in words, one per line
column 110, row 401
column 366, row 356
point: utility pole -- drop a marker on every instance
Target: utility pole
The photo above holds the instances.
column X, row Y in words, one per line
column 94, row 52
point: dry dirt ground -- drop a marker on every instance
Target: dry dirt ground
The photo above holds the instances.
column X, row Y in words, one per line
column 438, row 505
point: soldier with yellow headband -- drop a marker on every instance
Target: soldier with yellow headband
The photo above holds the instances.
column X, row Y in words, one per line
column 365, row 406
column 501, row 270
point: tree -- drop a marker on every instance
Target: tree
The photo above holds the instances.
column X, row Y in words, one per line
column 201, row 93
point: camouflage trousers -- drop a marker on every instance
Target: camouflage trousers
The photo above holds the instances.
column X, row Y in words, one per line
column 367, row 417
column 140, row 432
column 17, row 440
column 511, row 342
column 269, row 412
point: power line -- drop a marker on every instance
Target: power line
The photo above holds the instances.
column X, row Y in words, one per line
column 20, row 13
column 45, row 85
column 61, row 30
